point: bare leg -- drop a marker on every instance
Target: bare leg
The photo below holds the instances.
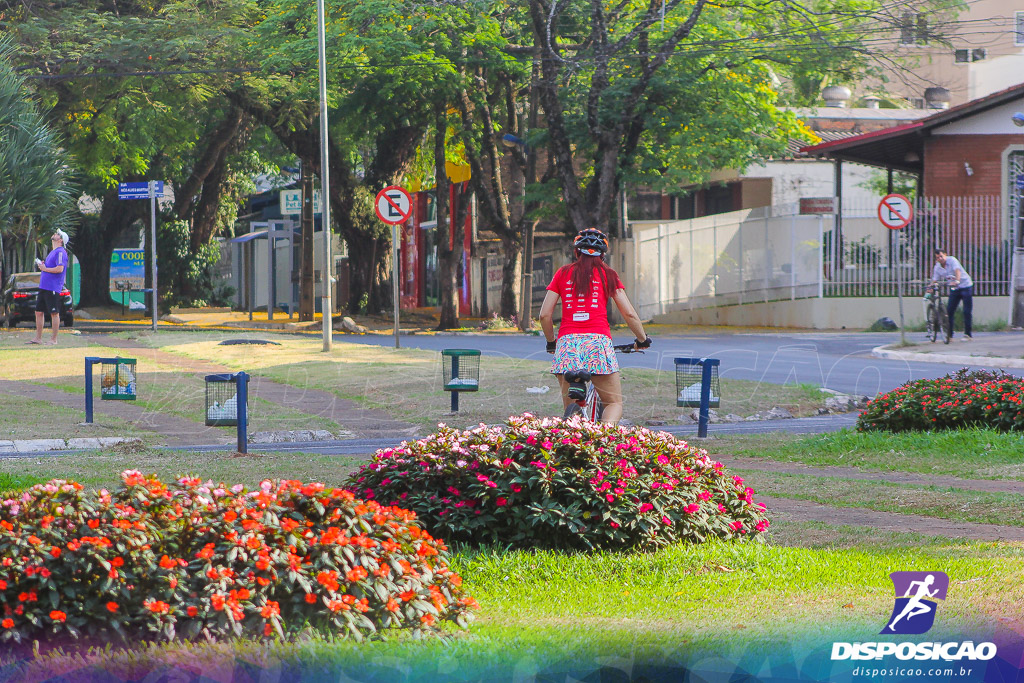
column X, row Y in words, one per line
column 564, row 386
column 55, row 325
column 39, row 327
column 609, row 388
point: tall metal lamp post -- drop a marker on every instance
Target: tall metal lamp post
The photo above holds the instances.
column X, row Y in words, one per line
column 328, row 277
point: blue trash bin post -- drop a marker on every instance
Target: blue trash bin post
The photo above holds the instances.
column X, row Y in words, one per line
column 242, row 386
column 89, row 360
column 704, row 396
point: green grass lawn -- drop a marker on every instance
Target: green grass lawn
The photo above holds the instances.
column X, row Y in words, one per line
column 544, row 610
column 28, row 418
column 407, row 382
column 931, row 501
column 969, row 454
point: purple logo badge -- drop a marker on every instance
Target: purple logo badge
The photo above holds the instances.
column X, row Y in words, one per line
column 916, row 595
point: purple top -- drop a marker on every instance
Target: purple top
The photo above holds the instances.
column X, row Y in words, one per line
column 54, row 282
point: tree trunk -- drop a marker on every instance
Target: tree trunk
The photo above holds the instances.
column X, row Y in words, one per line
column 511, row 272
column 94, row 242
column 446, row 249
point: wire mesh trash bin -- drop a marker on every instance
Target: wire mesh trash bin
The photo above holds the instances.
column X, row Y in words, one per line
column 697, row 386
column 460, row 371
column 117, row 381
column 227, row 403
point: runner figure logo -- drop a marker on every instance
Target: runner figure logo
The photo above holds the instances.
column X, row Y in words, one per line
column 916, row 595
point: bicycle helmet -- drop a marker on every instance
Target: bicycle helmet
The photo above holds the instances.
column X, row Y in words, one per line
column 591, row 242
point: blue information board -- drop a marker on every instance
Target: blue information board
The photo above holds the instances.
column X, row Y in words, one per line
column 127, row 274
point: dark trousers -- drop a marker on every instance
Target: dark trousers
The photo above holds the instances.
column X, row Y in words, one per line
column 955, row 295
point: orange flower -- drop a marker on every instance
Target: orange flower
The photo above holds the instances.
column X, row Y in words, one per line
column 270, row 609
column 93, row 523
column 355, row 574
column 117, row 562
column 112, row 606
column 3, row 585
column 392, row 605
column 57, row 615
column 407, row 595
column 267, row 629
column 55, row 551
column 262, row 564
column 7, row 525
column 262, row 581
column 173, row 582
column 7, row 623
column 217, row 601
column 427, row 620
column 167, row 563
column 310, row 598
column 34, row 540
column 157, row 606
column 230, row 516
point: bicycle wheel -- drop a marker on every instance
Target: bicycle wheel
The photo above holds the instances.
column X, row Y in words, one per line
column 595, row 406
column 932, row 333
column 572, row 410
column 947, row 331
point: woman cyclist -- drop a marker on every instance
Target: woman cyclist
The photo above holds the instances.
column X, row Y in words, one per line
column 584, row 336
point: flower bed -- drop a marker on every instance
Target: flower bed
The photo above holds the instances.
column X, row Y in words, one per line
column 962, row 399
column 562, row 484
column 152, row 562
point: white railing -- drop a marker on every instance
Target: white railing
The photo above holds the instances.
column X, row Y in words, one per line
column 773, row 253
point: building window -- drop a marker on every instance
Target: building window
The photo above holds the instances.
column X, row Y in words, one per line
column 1018, row 34
column 974, row 55
column 913, row 29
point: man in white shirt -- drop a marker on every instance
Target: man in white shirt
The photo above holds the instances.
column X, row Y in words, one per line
column 961, row 287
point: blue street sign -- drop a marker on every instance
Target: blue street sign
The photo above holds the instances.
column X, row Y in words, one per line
column 139, row 190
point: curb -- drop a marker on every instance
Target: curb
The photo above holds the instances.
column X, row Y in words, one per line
column 953, row 359
column 22, row 446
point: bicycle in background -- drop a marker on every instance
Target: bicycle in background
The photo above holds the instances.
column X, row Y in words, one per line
column 935, row 315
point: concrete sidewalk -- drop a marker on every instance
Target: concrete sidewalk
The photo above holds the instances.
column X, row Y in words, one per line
column 991, row 349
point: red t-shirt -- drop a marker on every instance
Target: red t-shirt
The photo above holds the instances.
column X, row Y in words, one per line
column 588, row 314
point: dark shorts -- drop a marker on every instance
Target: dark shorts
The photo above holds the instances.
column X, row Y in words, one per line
column 48, row 302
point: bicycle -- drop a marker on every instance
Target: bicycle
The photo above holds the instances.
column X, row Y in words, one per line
column 584, row 399
column 936, row 319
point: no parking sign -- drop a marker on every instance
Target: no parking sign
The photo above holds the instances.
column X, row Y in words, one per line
column 895, row 211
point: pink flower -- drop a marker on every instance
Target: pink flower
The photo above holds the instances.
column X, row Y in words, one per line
column 738, row 480
column 721, row 508
column 614, row 525
column 705, row 495
column 736, row 525
column 691, row 508
column 666, row 520
column 662, row 459
column 762, row 525
column 547, row 445
column 645, row 507
column 610, row 498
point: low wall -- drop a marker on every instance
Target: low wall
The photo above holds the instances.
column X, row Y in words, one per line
column 827, row 313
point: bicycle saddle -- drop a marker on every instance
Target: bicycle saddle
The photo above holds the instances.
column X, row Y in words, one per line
column 577, row 384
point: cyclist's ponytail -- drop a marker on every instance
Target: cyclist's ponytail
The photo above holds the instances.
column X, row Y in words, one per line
column 583, row 275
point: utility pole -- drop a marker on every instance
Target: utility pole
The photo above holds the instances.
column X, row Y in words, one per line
column 306, row 249
column 529, row 176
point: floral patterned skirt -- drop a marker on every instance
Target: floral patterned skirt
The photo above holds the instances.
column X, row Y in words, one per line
column 591, row 352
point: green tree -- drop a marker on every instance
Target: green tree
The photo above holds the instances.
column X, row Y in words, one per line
column 34, row 172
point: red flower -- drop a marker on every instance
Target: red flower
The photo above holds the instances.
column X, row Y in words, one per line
column 192, row 610
column 112, row 606
column 267, row 629
column 55, row 551
column 310, row 598
column 117, row 562
column 501, row 502
column 7, row 623
column 59, row 616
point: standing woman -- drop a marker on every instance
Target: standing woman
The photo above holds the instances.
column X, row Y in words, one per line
column 51, row 282
column 584, row 339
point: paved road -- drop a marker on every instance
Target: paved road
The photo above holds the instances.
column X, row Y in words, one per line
column 839, row 361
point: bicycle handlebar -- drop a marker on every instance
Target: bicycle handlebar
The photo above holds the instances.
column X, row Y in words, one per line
column 627, row 348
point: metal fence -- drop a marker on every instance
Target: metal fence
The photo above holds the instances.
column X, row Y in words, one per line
column 773, row 253
column 867, row 257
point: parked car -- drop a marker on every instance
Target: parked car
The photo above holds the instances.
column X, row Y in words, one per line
column 18, row 301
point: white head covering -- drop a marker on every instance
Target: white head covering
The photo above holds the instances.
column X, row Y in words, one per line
column 63, row 237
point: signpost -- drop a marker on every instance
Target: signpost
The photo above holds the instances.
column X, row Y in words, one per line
column 394, row 206
column 146, row 190
column 895, row 212
column 291, row 202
